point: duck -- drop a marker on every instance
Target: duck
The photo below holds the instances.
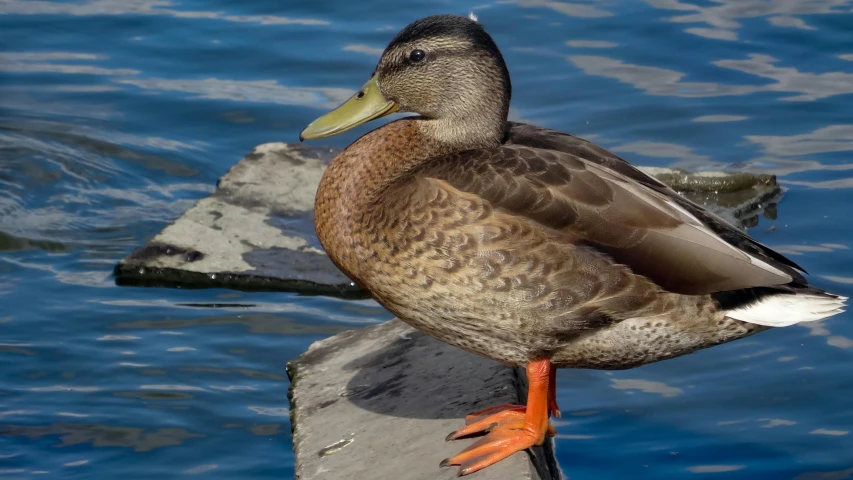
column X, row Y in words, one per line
column 526, row 245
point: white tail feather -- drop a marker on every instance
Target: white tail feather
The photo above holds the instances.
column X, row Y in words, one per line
column 784, row 310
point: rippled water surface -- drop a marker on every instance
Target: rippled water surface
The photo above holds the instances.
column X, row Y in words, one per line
column 116, row 115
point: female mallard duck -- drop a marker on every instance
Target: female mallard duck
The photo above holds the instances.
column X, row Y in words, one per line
column 525, row 245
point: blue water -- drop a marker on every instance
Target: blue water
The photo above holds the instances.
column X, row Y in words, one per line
column 116, row 115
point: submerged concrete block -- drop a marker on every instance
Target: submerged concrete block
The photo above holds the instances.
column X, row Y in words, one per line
column 738, row 197
column 377, row 403
column 256, row 232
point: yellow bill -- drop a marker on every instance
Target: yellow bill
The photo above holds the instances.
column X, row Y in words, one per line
column 366, row 105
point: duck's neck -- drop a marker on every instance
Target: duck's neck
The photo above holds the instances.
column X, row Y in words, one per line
column 465, row 134
column 357, row 177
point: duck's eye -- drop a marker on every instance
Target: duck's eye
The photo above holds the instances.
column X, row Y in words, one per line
column 417, row 55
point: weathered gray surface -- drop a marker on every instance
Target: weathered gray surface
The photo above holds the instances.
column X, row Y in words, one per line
column 256, row 231
column 377, row 403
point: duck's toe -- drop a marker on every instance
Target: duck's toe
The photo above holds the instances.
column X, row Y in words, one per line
column 498, row 444
column 507, row 416
column 503, row 416
column 486, row 412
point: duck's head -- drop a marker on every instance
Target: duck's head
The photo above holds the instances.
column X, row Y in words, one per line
column 445, row 68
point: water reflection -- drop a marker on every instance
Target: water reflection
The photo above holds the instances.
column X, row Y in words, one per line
column 830, row 184
column 571, row 9
column 269, row 429
column 781, row 155
column 715, row 468
column 99, row 279
column 655, row 80
column 724, row 14
column 832, row 138
column 791, row 22
column 800, row 249
column 231, row 388
column 9, row 413
column 17, row 349
column 646, row 148
column 832, row 278
column 789, row 79
column 713, row 33
column 179, row 388
column 259, row 319
column 201, row 469
column 156, row 396
column 566, row 436
column 819, row 329
column 646, row 386
column 181, row 349
column 60, row 140
column 238, row 117
column 591, row 44
column 720, row 118
column 72, row 414
column 762, row 352
column 68, row 186
column 776, row 422
column 140, row 7
column 239, row 371
column 831, row 475
column 100, row 436
column 365, row 49
column 30, row 62
column 665, row 82
column 271, row 411
column 834, row 433
column 259, row 91
column 64, row 388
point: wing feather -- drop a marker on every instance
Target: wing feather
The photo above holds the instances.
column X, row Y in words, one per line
column 546, row 139
column 635, row 225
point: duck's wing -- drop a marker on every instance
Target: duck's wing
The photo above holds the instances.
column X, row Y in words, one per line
column 537, row 137
column 604, row 209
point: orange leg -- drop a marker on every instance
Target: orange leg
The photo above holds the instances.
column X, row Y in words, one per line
column 484, row 420
column 511, row 428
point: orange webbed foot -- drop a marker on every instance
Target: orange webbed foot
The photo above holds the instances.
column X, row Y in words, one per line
column 499, row 443
column 509, row 428
column 486, row 412
column 506, row 416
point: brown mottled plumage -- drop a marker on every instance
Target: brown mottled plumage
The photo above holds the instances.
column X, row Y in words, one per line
column 461, row 265
column 526, row 245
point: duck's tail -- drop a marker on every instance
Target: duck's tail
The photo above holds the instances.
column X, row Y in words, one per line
column 785, row 308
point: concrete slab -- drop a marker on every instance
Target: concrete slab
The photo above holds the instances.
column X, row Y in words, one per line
column 377, row 403
column 255, row 232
